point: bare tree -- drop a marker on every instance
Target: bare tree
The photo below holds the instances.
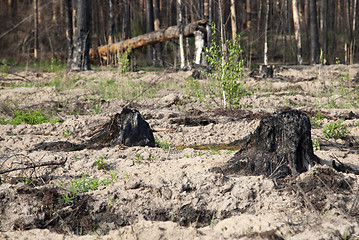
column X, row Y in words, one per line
column 81, row 46
column 297, row 32
column 314, row 37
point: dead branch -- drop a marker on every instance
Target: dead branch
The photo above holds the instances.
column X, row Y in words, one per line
column 34, row 165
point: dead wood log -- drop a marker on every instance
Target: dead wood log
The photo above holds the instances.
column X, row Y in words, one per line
column 147, row 39
column 280, row 146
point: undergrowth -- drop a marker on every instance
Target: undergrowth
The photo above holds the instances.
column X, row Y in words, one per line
column 335, row 130
column 82, row 185
column 30, row 117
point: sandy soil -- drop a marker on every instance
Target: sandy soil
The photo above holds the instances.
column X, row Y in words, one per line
column 158, row 193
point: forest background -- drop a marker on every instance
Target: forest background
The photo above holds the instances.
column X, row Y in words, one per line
column 291, row 31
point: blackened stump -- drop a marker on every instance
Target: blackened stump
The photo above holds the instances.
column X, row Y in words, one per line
column 280, row 146
column 127, row 128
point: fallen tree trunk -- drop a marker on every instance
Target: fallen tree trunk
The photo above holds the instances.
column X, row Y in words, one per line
column 147, row 39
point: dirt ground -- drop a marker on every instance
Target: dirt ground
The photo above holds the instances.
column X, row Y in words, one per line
column 168, row 192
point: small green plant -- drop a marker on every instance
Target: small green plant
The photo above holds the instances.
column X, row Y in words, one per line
column 4, row 68
column 315, row 123
column 319, row 116
column 229, row 151
column 66, row 133
column 30, row 117
column 316, row 144
column 56, row 65
column 26, row 181
column 111, row 200
column 97, row 108
column 101, row 163
column 212, row 219
column 164, row 145
column 335, row 130
column 193, row 88
column 342, row 77
column 110, row 180
column 81, row 185
column 123, row 61
column 214, row 151
column 357, row 124
column 138, row 157
column 199, row 153
column 227, row 68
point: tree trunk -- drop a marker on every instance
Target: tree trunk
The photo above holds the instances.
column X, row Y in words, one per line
column 158, row 46
column 207, row 9
column 80, row 60
column 314, row 38
column 148, row 39
column 233, row 20
column 181, row 44
column 149, row 28
column 110, row 22
column 248, row 10
column 266, row 34
column 355, row 3
column 297, row 32
column 126, row 30
column 325, row 32
column 36, row 30
column 54, row 12
column 223, row 47
column 69, row 31
column 199, row 45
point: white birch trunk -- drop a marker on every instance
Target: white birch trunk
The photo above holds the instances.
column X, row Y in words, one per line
column 181, row 44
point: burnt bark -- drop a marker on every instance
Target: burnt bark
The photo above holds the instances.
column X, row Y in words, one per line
column 81, row 46
column 297, row 31
column 127, row 128
column 280, row 146
column 314, row 37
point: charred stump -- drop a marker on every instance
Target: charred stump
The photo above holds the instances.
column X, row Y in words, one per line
column 127, row 128
column 280, row 146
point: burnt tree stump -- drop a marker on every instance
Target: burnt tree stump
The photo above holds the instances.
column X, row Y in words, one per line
column 126, row 128
column 280, row 146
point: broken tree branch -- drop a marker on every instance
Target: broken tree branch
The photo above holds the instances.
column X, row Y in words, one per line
column 34, row 165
